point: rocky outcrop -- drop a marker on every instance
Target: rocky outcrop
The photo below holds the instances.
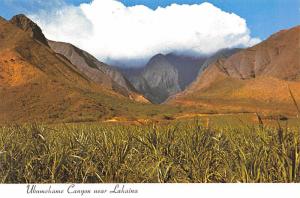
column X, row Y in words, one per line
column 29, row 26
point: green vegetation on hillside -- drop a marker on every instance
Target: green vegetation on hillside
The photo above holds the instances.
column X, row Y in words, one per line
column 179, row 152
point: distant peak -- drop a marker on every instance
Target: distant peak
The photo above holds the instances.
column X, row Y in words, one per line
column 26, row 24
column 22, row 21
column 158, row 56
column 20, row 16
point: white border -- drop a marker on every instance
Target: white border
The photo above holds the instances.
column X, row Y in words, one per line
column 162, row 190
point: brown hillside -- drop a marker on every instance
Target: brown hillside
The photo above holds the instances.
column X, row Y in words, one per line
column 94, row 70
column 38, row 84
column 254, row 79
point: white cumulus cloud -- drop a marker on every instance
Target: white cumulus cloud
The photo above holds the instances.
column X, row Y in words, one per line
column 114, row 32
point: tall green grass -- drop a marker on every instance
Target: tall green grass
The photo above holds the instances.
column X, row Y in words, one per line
column 186, row 152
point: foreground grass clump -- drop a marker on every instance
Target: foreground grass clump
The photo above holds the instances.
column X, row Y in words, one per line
column 177, row 153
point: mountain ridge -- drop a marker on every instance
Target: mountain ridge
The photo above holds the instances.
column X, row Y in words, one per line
column 179, row 70
column 85, row 63
column 251, row 77
column 37, row 84
column 97, row 71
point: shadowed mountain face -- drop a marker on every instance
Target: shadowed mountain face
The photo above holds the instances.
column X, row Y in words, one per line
column 158, row 80
column 37, row 84
column 187, row 67
column 164, row 75
column 254, row 79
column 96, row 71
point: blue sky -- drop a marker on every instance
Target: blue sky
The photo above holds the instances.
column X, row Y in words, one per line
column 264, row 17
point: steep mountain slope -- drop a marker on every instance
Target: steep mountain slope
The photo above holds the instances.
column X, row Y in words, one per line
column 221, row 54
column 187, row 66
column 37, row 84
column 158, row 81
column 87, row 64
column 164, row 75
column 254, row 79
column 96, row 71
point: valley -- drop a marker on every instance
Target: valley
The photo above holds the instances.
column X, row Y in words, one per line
column 80, row 88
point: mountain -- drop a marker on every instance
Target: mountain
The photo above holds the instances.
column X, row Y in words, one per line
column 254, row 79
column 87, row 64
column 37, row 84
column 158, row 80
column 221, row 54
column 187, row 66
column 29, row 26
column 164, row 75
column 97, row 71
